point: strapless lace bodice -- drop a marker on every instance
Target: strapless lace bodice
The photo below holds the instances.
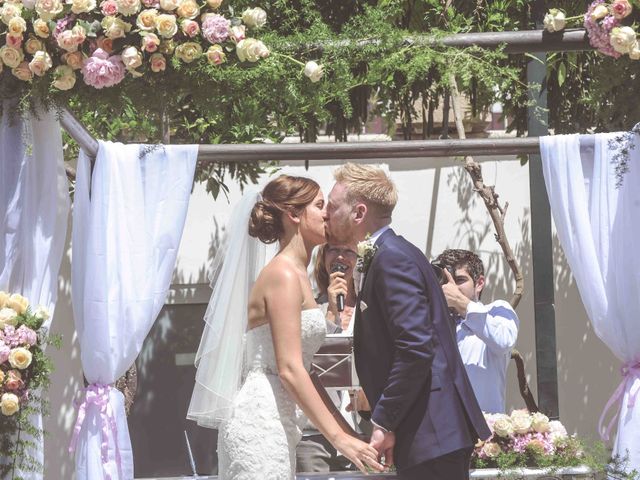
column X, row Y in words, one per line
column 259, row 439
column 259, row 344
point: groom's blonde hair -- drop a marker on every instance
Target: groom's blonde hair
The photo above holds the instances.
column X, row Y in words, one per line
column 369, row 184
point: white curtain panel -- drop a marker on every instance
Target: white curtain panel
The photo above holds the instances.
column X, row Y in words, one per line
column 598, row 226
column 128, row 219
column 34, row 210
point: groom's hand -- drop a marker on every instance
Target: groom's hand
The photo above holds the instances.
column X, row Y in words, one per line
column 383, row 442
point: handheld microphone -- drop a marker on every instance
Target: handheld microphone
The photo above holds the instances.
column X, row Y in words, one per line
column 339, row 267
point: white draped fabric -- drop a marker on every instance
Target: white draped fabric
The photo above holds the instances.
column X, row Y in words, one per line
column 599, row 228
column 128, row 219
column 34, row 206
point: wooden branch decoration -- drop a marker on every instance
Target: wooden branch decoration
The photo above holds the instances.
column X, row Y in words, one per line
column 525, row 393
column 490, row 198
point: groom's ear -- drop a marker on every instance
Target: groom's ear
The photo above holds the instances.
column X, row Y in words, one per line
column 360, row 212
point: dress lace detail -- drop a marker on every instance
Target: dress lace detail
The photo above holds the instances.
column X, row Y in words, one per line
column 259, row 439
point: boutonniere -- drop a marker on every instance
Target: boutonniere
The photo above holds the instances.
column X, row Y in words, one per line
column 366, row 251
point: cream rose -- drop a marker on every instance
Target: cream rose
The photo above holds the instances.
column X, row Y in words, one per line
column 41, row 28
column 147, row 19
column 115, row 27
column 17, row 26
column 18, row 302
column 131, row 57
column 634, row 53
column 129, row 7
column 491, row 449
column 521, row 421
column 503, row 426
column 555, row 20
column 167, row 47
column 48, row 9
column 32, row 45
column 1, row 372
column 158, row 63
column 190, row 28
column 8, row 316
column 169, row 5
column 66, row 41
column 540, row 422
column 189, row 51
column 42, row 312
column 11, row 57
column 215, row 4
column 9, row 11
column 254, row 17
column 74, row 60
column 216, row 55
column 166, row 25
column 4, row 296
column 188, row 9
column 40, row 63
column 150, row 42
column 622, row 39
column 251, row 50
column 599, row 12
column 313, row 71
column 20, row 358
column 83, row 6
column 65, row 78
column 9, row 404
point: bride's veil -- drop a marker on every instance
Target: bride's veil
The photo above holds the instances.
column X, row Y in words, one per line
column 220, row 357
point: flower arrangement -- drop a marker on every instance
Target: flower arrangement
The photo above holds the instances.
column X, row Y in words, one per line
column 604, row 22
column 523, row 439
column 23, row 370
column 101, row 42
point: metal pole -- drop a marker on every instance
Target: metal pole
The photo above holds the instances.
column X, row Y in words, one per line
column 541, row 239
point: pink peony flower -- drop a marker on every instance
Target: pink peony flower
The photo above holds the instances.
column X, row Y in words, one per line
column 215, row 28
column 101, row 70
column 10, row 337
column 27, row 336
column 4, row 352
column 600, row 31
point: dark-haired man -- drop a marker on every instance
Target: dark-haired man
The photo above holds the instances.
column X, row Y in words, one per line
column 485, row 333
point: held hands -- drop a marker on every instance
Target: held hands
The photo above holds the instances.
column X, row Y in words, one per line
column 337, row 284
column 455, row 298
column 383, row 442
column 363, row 456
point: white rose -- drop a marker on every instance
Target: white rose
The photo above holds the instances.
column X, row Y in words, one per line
column 557, row 430
column 634, row 53
column 11, row 57
column 555, row 20
column 48, row 9
column 20, row 358
column 131, row 57
column 251, row 50
column 82, row 6
column 254, row 17
column 169, row 5
column 540, row 422
column 41, row 28
column 622, row 39
column 42, row 312
column 491, row 449
column 521, row 421
column 17, row 26
column 10, row 11
column 313, row 71
column 115, row 27
column 237, row 33
column 147, row 19
column 9, row 404
column 166, row 25
column 66, row 41
column 40, row 63
column 503, row 426
column 8, row 316
column 599, row 12
column 32, row 45
column 65, row 78
column 128, row 7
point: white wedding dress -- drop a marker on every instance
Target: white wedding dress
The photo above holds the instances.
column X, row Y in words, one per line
column 259, row 439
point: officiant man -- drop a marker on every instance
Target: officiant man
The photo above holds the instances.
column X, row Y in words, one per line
column 486, row 333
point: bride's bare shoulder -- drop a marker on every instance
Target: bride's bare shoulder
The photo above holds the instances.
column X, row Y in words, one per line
column 279, row 272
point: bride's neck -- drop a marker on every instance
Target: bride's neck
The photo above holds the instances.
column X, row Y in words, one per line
column 295, row 248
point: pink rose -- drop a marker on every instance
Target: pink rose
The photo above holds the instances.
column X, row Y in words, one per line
column 237, row 33
column 67, row 41
column 190, row 28
column 109, row 7
column 101, row 70
column 105, row 44
column 158, row 63
column 14, row 41
column 151, row 3
column 74, row 60
column 150, row 42
column 621, row 9
column 13, row 380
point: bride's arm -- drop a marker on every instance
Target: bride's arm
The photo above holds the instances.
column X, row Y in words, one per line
column 284, row 302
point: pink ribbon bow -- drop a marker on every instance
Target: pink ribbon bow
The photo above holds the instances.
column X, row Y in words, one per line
column 98, row 395
column 630, row 371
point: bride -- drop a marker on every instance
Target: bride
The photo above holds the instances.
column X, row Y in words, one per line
column 262, row 329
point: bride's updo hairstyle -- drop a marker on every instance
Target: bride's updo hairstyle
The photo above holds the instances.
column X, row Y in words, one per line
column 281, row 195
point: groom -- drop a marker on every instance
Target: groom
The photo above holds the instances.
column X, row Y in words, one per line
column 424, row 411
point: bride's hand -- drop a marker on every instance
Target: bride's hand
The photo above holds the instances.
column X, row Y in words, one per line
column 360, row 453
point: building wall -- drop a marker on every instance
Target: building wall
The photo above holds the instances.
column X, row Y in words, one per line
column 437, row 209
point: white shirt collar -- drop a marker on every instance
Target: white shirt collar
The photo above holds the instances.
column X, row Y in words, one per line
column 374, row 238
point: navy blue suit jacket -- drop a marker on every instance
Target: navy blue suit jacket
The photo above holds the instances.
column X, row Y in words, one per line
column 407, row 357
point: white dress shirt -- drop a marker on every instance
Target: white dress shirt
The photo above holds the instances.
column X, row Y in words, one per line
column 485, row 338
